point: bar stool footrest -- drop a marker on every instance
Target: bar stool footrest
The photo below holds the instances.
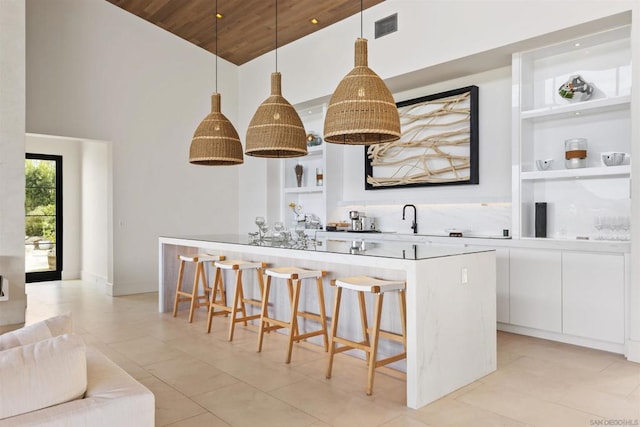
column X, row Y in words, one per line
column 391, row 359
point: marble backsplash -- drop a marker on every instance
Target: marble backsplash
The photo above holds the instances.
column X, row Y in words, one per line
column 475, row 219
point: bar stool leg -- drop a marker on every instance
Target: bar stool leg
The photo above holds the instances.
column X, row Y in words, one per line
column 237, row 297
column 323, row 314
column 264, row 312
column 178, row 288
column 374, row 343
column 334, row 329
column 197, row 281
column 217, row 288
column 365, row 325
column 293, row 330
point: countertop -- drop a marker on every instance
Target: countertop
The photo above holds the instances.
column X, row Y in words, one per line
column 385, row 249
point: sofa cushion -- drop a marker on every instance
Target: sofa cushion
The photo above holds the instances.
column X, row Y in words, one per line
column 42, row 374
column 39, row 331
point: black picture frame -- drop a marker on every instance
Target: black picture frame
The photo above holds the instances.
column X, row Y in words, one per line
column 411, row 147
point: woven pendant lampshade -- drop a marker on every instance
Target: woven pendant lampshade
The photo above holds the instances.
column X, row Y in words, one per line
column 215, row 141
column 362, row 110
column 276, row 129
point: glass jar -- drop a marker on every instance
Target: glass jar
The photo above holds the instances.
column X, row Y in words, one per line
column 575, row 153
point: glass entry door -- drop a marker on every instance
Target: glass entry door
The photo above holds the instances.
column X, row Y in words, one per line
column 43, row 217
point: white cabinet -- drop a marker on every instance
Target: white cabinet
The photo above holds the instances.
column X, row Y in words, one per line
column 502, row 285
column 593, row 296
column 543, row 120
column 535, row 299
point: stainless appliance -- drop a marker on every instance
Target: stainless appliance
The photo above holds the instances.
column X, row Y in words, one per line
column 360, row 222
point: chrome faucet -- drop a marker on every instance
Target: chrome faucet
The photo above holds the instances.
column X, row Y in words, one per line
column 414, row 226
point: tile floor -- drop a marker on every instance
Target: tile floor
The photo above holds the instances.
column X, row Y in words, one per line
column 201, row 379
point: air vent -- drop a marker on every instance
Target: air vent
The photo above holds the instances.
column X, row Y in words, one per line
column 386, row 25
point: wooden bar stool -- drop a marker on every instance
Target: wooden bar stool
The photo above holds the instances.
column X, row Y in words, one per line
column 369, row 344
column 239, row 301
column 199, row 279
column 294, row 277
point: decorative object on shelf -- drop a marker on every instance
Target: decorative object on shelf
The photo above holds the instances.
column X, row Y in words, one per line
column 575, row 153
column 362, row 110
column 543, row 165
column 297, row 210
column 319, row 177
column 313, row 139
column 299, row 170
column 613, row 158
column 576, row 89
column 215, row 141
column 439, row 144
column 276, row 131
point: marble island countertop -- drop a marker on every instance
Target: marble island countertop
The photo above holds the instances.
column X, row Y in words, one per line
column 354, row 246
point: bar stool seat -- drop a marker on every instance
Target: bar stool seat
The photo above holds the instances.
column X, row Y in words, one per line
column 369, row 344
column 239, row 301
column 294, row 277
column 193, row 296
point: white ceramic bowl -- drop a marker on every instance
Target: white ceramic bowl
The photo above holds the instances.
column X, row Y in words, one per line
column 612, row 159
column 543, row 165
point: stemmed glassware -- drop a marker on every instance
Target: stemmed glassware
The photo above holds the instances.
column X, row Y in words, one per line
column 263, row 227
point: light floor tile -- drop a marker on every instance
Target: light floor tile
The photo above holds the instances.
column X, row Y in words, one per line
column 334, row 406
column 206, row 419
column 171, row 405
column 203, row 379
column 146, row 350
column 190, row 376
column 524, row 408
column 243, row 405
column 452, row 412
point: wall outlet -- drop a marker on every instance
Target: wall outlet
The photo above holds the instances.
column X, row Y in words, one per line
column 464, row 278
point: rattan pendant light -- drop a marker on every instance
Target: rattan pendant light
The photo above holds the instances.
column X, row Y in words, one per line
column 362, row 110
column 215, row 141
column 276, row 129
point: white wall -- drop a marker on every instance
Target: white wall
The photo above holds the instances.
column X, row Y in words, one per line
column 70, row 150
column 483, row 208
column 95, row 71
column 96, row 211
column 12, row 129
column 433, row 36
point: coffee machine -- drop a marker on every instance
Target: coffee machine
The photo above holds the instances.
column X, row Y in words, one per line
column 360, row 222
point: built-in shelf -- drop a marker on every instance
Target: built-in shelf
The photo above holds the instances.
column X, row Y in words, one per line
column 300, row 190
column 577, row 108
column 595, row 172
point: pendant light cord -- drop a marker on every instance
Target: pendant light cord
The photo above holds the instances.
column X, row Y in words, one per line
column 215, row 17
column 360, row 17
column 276, row 36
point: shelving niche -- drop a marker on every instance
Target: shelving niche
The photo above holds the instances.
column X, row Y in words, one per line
column 313, row 198
column 542, row 121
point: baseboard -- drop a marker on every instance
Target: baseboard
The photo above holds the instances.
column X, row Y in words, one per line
column 109, row 289
column 567, row 339
column 633, row 351
column 93, row 278
column 71, row 275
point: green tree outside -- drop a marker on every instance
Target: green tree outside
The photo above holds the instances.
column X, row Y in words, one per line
column 40, row 199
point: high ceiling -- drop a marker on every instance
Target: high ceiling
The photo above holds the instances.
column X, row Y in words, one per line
column 247, row 28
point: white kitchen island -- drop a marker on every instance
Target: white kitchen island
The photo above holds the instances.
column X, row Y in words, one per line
column 451, row 298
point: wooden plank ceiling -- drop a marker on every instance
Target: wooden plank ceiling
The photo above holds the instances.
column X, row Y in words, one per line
column 247, row 28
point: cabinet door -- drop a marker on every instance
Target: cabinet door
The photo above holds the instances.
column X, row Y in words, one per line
column 593, row 296
column 535, row 299
column 502, row 285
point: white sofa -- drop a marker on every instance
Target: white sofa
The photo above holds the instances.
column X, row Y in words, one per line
column 105, row 396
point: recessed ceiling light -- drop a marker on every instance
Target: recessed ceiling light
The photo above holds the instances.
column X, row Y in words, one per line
column 314, row 21
column 577, row 44
column 219, row 15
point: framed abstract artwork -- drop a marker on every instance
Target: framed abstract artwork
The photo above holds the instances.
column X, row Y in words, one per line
column 438, row 146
